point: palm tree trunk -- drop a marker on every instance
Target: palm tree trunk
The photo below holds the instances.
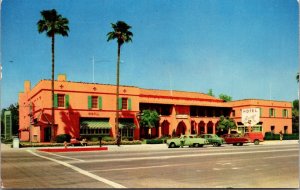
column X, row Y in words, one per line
column 117, row 93
column 52, row 89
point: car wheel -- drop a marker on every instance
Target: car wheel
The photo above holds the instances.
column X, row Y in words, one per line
column 201, row 145
column 234, row 144
column 215, row 144
column 256, row 142
column 196, row 145
column 240, row 144
column 219, row 144
column 172, row 145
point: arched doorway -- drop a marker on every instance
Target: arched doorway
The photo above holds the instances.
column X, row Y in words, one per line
column 181, row 128
column 201, row 127
column 210, row 126
column 165, row 128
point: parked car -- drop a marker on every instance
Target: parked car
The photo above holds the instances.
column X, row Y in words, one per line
column 188, row 140
column 213, row 139
column 255, row 137
column 235, row 139
column 78, row 142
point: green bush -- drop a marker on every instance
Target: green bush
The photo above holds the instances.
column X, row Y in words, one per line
column 62, row 138
column 107, row 138
column 272, row 136
column 294, row 136
column 154, row 141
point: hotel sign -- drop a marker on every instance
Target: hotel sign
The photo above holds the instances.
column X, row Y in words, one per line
column 181, row 116
column 250, row 116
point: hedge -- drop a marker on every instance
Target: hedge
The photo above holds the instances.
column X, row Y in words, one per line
column 62, row 138
column 154, row 141
column 89, row 143
column 272, row 136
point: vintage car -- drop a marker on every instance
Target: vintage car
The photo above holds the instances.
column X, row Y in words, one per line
column 235, row 139
column 188, row 140
column 213, row 139
column 255, row 137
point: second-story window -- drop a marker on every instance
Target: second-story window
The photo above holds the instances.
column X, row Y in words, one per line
column 272, row 112
column 61, row 100
column 94, row 101
column 124, row 103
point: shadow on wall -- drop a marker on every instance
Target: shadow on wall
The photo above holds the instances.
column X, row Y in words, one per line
column 70, row 118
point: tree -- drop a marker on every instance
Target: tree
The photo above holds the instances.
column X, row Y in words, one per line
column 123, row 35
column 53, row 24
column 14, row 108
column 149, row 119
column 226, row 124
column 295, row 117
column 297, row 77
column 210, row 92
column 225, row 97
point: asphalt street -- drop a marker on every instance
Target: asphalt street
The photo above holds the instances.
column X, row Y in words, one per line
column 156, row 166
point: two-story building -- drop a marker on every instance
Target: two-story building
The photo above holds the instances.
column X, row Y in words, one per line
column 89, row 109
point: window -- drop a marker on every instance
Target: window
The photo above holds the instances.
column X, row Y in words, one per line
column 124, row 103
column 285, row 129
column 61, row 100
column 272, row 128
column 284, row 113
column 233, row 113
column 94, row 102
column 272, row 112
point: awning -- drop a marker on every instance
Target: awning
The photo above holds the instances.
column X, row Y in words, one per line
column 95, row 124
column 126, row 124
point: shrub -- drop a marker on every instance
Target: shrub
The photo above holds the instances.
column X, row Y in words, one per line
column 107, row 138
column 294, row 136
column 272, row 136
column 154, row 141
column 62, row 138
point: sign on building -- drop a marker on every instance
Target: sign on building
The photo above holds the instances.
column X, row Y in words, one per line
column 250, row 116
column 7, row 125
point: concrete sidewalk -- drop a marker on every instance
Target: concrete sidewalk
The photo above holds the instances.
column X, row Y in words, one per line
column 140, row 147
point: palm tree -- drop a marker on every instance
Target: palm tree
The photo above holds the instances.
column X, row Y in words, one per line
column 53, row 23
column 122, row 34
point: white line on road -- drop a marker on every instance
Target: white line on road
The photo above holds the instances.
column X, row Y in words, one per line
column 135, row 168
column 79, row 170
column 65, row 157
column 279, row 156
column 184, row 156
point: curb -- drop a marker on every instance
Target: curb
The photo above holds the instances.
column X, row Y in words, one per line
column 72, row 149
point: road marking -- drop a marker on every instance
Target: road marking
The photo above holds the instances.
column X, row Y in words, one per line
column 279, row 156
column 79, row 170
column 65, row 157
column 135, row 168
column 183, row 156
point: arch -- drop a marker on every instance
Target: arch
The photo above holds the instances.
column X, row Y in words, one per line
column 210, row 126
column 181, row 128
column 201, row 127
column 165, row 127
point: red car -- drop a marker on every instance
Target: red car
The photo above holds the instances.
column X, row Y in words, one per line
column 235, row 139
column 255, row 137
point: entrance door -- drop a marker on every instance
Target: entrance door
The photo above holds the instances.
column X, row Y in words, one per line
column 181, row 128
column 47, row 134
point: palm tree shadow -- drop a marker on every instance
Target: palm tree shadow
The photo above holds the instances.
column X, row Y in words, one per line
column 70, row 118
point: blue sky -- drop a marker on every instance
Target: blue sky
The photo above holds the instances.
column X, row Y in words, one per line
column 242, row 48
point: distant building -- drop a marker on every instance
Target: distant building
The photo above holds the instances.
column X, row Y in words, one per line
column 88, row 109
